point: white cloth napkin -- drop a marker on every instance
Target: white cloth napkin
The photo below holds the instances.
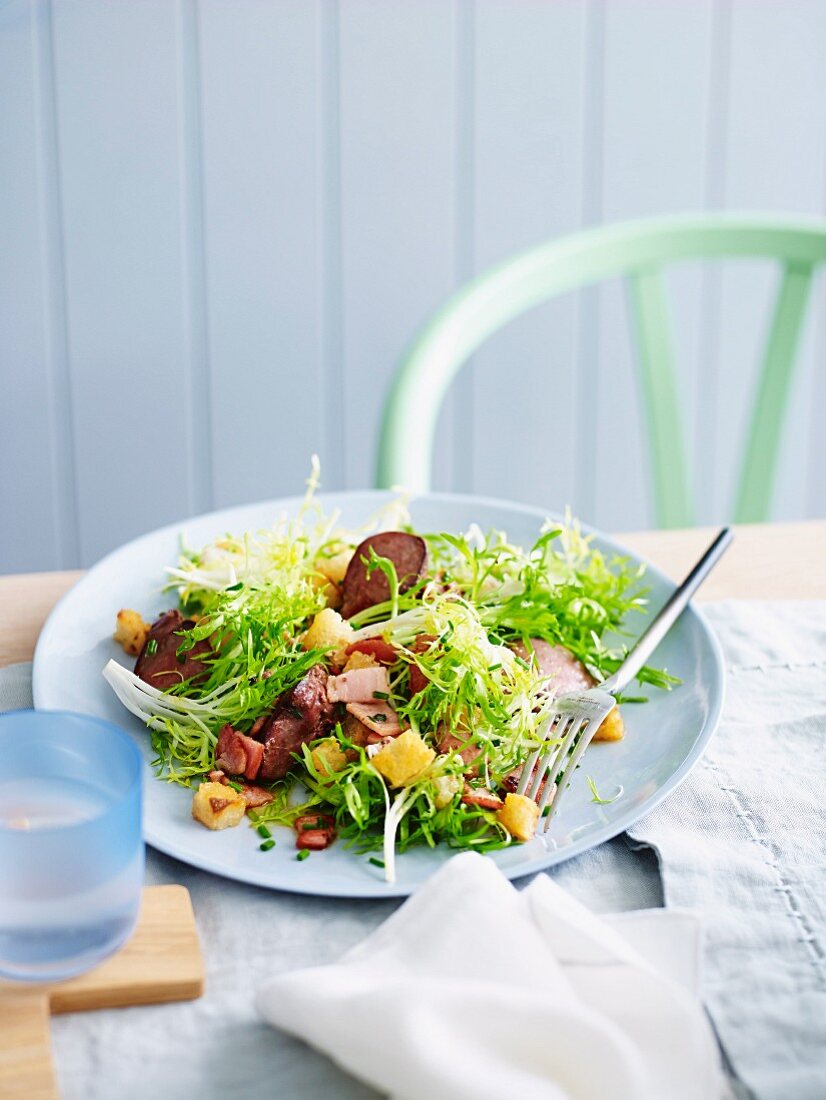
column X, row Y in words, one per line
column 473, row 989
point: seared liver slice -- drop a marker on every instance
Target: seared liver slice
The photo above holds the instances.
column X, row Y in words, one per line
column 301, row 715
column 161, row 668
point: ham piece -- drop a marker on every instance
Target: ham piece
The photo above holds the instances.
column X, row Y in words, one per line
column 378, row 717
column 360, row 685
column 558, row 665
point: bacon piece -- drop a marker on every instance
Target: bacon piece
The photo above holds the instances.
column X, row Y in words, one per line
column 217, row 776
column 418, row 679
column 563, row 671
column 378, row 717
column 218, row 804
column 481, row 797
column 358, row 686
column 237, row 754
column 314, row 831
column 383, row 651
column 451, row 742
column 511, row 782
column 255, row 796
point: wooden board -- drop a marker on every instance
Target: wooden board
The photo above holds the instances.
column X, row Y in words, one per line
column 161, row 962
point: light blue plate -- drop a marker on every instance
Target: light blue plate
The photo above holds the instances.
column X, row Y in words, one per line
column 665, row 737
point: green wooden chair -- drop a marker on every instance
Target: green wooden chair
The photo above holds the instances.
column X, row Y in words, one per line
column 639, row 251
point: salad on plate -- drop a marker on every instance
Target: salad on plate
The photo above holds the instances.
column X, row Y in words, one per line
column 380, row 688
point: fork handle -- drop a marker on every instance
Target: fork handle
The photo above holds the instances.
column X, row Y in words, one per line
column 668, row 615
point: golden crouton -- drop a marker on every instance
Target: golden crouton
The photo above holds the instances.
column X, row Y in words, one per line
column 612, row 728
column 329, row 631
column 131, row 631
column 218, row 806
column 404, row 759
column 360, row 660
column 329, row 575
column 447, row 787
column 334, row 568
column 519, row 815
column 328, row 756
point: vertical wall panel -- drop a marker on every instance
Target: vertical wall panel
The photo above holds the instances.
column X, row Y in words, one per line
column 222, row 222
column 116, row 85
column 31, row 533
column 397, row 142
column 529, row 124
column 775, row 161
column 656, row 109
column 262, row 176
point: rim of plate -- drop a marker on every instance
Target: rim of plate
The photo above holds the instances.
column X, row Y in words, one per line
column 379, row 889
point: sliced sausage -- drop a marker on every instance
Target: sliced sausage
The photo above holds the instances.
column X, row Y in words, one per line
column 408, row 554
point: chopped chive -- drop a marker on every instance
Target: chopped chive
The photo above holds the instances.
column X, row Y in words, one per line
column 262, row 830
column 235, row 786
column 151, row 647
column 303, row 854
column 235, row 587
column 493, row 668
column 380, row 695
column 378, row 717
column 266, row 845
column 376, row 862
column 310, row 826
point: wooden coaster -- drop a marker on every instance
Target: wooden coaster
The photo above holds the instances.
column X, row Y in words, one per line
column 161, row 962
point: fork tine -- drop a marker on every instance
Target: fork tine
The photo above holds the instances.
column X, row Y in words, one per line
column 551, row 762
column 527, row 771
column 531, row 763
column 589, row 728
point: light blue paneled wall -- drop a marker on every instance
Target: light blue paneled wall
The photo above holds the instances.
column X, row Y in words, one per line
column 222, row 220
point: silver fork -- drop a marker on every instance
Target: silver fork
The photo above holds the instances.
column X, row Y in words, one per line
column 578, row 716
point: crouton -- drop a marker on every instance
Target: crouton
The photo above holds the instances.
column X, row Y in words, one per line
column 612, row 728
column 329, row 631
column 447, row 787
column 328, row 756
column 131, row 631
column 218, row 806
column 519, row 815
column 404, row 759
column 329, row 575
column 357, row 659
column 335, row 567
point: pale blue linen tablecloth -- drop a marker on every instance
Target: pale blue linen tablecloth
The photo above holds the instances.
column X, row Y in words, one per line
column 743, row 841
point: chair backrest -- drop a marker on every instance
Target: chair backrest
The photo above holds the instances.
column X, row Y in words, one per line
column 639, row 251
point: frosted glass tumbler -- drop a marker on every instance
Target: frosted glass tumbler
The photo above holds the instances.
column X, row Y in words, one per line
column 71, row 853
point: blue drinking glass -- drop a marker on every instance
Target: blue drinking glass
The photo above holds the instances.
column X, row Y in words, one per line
column 71, row 853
